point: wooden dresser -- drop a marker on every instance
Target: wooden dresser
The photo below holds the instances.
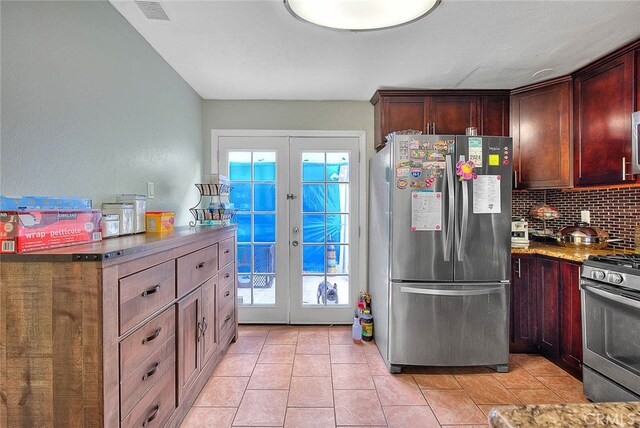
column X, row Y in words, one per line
column 124, row 332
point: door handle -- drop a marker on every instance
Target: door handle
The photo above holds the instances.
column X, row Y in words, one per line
column 450, row 191
column 458, row 293
column 294, row 243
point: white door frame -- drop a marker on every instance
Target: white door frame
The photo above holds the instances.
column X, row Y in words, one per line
column 362, row 199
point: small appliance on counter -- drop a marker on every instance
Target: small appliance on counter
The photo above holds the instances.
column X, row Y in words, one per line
column 519, row 233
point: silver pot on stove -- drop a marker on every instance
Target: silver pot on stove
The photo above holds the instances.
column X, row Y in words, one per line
column 581, row 234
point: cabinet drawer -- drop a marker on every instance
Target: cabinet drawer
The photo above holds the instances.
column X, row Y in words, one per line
column 133, row 388
column 226, row 318
column 226, row 290
column 145, row 292
column 226, row 251
column 156, row 407
column 144, row 342
column 196, row 268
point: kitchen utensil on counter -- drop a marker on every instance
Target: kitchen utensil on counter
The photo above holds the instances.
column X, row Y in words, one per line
column 581, row 234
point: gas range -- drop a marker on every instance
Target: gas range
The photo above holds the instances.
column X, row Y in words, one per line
column 620, row 270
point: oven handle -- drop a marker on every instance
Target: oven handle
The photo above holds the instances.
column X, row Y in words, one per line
column 615, row 297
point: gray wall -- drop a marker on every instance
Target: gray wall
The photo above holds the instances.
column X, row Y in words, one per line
column 90, row 109
column 286, row 115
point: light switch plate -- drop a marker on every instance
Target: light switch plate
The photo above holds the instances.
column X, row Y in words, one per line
column 585, row 216
column 151, row 191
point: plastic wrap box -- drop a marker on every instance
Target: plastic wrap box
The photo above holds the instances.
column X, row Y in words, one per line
column 48, row 203
column 26, row 231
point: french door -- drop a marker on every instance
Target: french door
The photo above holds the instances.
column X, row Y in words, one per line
column 298, row 226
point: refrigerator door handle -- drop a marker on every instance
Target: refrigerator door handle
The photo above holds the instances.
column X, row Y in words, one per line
column 458, row 293
column 462, row 229
column 450, row 197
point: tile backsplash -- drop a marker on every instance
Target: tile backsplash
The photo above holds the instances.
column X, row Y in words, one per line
column 616, row 210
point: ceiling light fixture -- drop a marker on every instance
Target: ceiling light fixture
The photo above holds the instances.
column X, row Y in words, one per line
column 360, row 15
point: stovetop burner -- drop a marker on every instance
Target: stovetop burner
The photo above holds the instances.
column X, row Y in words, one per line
column 627, row 260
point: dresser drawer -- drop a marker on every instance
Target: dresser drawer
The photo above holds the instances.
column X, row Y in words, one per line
column 226, row 318
column 226, row 288
column 143, row 293
column 155, row 408
column 144, row 342
column 133, row 388
column 196, row 268
column 227, row 251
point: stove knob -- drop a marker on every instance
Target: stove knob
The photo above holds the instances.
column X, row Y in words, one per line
column 597, row 274
column 615, row 278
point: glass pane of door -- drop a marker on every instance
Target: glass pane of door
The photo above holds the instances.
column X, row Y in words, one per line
column 323, row 284
column 253, row 183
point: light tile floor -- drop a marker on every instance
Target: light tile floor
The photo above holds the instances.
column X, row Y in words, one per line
column 306, row 377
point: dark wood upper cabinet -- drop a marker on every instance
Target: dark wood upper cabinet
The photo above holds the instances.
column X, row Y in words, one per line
column 452, row 114
column 495, row 115
column 603, row 103
column 439, row 112
column 541, row 130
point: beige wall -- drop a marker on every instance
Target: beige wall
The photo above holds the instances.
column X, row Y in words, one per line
column 90, row 109
column 286, row 115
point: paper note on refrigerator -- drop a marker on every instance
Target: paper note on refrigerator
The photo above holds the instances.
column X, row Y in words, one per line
column 426, row 210
column 486, row 194
column 475, row 151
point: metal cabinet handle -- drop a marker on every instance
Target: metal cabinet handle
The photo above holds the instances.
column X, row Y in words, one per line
column 434, row 127
column 151, row 372
column 518, row 269
column 227, row 293
column 428, row 126
column 200, row 331
column 226, row 275
column 227, row 251
column 152, row 416
column 294, row 243
column 150, row 291
column 227, row 318
column 200, row 265
column 152, row 337
column 515, row 178
column 624, row 169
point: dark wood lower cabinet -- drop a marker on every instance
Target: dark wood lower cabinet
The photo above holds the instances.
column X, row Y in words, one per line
column 548, row 307
column 571, row 318
column 523, row 335
column 545, row 310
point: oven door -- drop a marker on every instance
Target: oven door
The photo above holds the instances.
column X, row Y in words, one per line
column 611, row 333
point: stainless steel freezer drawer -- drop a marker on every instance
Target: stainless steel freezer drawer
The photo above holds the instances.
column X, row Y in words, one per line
column 449, row 325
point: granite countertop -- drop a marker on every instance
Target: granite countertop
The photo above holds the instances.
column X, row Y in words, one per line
column 574, row 254
column 566, row 415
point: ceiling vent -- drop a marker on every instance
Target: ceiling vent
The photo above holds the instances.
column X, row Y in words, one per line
column 153, row 10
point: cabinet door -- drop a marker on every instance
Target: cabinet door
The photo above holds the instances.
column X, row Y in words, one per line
column 452, row 114
column 603, row 103
column 495, row 116
column 523, row 305
column 548, row 293
column 402, row 113
column 209, row 340
column 541, row 129
column 189, row 337
column 571, row 322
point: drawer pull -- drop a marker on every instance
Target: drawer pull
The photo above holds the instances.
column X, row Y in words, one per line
column 152, row 416
column 227, row 251
column 226, row 275
column 205, row 325
column 151, row 372
column 150, row 291
column 227, row 293
column 227, row 318
column 152, row 337
column 200, row 265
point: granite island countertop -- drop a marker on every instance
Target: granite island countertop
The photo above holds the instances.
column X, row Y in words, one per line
column 566, row 415
column 574, row 254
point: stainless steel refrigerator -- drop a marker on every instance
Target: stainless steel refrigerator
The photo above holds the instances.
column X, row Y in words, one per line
column 439, row 250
